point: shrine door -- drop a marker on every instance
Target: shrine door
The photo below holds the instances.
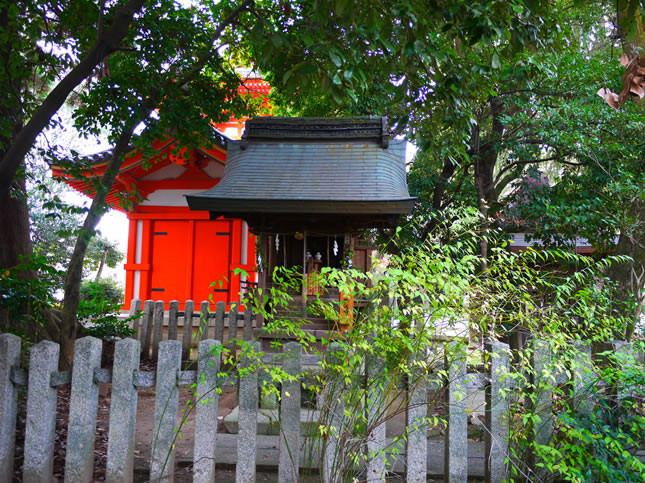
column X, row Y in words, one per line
column 187, row 257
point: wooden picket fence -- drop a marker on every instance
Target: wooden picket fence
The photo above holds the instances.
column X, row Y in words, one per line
column 149, row 328
column 43, row 378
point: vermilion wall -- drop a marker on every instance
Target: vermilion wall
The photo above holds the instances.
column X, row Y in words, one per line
column 176, row 254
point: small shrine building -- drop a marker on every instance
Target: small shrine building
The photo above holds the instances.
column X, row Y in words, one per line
column 308, row 187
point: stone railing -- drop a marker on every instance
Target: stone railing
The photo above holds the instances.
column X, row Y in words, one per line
column 416, row 456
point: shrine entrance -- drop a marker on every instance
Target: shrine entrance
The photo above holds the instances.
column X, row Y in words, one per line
column 306, row 253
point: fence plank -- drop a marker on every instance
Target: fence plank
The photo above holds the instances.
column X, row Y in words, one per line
column 146, row 327
column 497, row 430
column 375, row 407
column 9, row 358
column 417, row 426
column 623, row 351
column 220, row 309
column 456, row 451
column 334, row 407
column 582, row 378
column 288, row 468
column 173, row 309
column 135, row 308
column 203, row 320
column 248, row 323
column 232, row 326
column 162, row 465
column 157, row 335
column 248, row 420
column 83, row 406
column 41, row 414
column 542, row 379
column 206, row 412
column 187, row 336
column 123, row 412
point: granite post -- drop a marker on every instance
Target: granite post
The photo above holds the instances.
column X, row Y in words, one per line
column 206, row 409
column 40, row 426
column 9, row 358
column 456, row 450
column 162, row 465
column 497, row 430
column 375, row 406
column 83, row 406
column 248, row 418
column 123, row 412
column 417, row 425
column 334, row 408
column 289, row 466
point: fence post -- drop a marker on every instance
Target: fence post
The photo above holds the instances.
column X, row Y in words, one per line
column 146, row 328
column 232, row 326
column 497, row 430
column 416, row 454
column 335, row 406
column 220, row 308
column 9, row 358
column 187, row 334
column 289, row 466
column 162, row 464
column 83, row 406
column 157, row 335
column 375, row 406
column 123, row 412
column 248, row 323
column 135, row 308
column 582, row 377
column 248, row 419
column 622, row 350
column 456, row 440
column 206, row 408
column 40, row 426
column 173, row 309
column 542, row 380
column 203, row 320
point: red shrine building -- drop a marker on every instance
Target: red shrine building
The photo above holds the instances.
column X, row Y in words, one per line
column 175, row 253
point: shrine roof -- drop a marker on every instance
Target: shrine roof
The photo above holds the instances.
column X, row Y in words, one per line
column 309, row 165
column 136, row 167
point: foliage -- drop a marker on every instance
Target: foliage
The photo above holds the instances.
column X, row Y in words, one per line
column 100, row 307
column 55, row 224
column 414, row 300
column 25, row 296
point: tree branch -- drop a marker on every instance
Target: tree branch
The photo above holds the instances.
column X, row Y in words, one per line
column 105, row 44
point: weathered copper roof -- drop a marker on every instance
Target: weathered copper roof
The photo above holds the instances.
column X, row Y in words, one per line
column 325, row 172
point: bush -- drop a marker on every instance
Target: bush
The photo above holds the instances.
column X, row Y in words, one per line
column 99, row 308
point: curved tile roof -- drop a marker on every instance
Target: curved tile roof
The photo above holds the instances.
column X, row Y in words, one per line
column 310, row 175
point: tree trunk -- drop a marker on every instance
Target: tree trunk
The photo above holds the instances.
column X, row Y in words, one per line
column 99, row 272
column 631, row 275
column 14, row 226
column 485, row 162
column 74, row 275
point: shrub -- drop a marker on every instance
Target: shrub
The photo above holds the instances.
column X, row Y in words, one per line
column 99, row 308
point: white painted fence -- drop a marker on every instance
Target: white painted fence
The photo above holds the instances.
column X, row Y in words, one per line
column 43, row 378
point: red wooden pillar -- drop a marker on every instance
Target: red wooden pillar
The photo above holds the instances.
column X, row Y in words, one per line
column 236, row 242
